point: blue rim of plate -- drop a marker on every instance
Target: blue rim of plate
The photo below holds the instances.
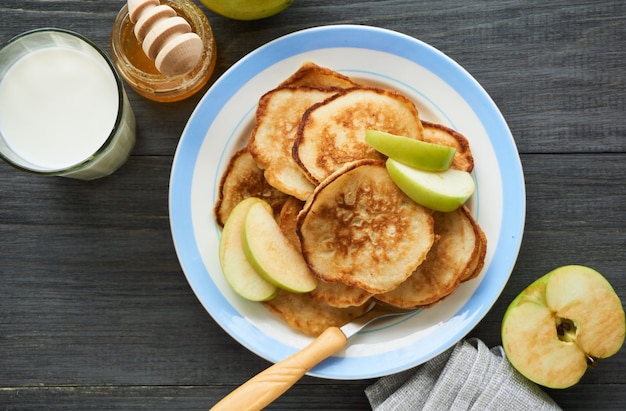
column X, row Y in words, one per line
column 353, row 36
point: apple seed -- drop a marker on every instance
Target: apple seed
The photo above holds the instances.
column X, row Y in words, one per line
column 591, row 361
column 566, row 330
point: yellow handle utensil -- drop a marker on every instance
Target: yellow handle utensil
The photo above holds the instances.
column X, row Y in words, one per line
column 271, row 383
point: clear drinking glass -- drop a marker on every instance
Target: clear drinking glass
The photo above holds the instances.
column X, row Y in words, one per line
column 63, row 108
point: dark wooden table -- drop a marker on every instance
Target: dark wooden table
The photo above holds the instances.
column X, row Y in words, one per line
column 95, row 311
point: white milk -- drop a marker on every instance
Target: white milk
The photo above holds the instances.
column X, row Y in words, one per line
column 58, row 106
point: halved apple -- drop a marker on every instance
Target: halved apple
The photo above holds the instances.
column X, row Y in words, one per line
column 437, row 190
column 413, row 153
column 561, row 324
column 271, row 254
column 239, row 274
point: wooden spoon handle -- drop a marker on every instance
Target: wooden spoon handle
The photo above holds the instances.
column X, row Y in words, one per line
column 270, row 384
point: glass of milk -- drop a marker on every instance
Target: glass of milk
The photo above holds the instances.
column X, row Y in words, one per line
column 63, row 109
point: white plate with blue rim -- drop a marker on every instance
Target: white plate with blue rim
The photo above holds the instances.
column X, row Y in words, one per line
column 443, row 93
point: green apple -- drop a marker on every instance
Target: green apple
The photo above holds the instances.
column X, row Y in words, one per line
column 271, row 254
column 438, row 190
column 413, row 153
column 247, row 9
column 239, row 274
column 561, row 324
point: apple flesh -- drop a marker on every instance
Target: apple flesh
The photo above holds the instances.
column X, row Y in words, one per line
column 561, row 324
column 438, row 190
column 271, row 254
column 413, row 153
column 238, row 272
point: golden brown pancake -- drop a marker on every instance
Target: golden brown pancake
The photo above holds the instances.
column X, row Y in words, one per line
column 340, row 295
column 440, row 134
column 288, row 218
column 308, row 316
column 359, row 229
column 449, row 259
column 478, row 261
column 241, row 179
column 332, row 133
column 312, row 75
column 333, row 294
column 277, row 118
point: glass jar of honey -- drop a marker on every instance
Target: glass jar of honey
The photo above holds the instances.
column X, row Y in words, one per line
column 140, row 72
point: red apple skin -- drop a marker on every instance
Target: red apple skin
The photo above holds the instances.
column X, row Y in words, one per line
column 582, row 297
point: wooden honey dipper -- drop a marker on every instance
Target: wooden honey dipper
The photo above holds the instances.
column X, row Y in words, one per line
column 166, row 38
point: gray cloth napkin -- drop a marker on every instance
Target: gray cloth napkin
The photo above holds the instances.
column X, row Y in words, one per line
column 468, row 376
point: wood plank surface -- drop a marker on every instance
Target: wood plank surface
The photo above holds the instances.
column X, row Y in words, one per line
column 95, row 311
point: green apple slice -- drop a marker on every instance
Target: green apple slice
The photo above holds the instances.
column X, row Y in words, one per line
column 413, row 153
column 239, row 274
column 271, row 254
column 562, row 323
column 437, row 190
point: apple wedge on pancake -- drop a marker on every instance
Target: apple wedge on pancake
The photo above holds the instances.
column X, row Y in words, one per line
column 440, row 134
column 312, row 75
column 308, row 316
column 358, row 228
column 449, row 259
column 332, row 133
column 243, row 179
column 277, row 118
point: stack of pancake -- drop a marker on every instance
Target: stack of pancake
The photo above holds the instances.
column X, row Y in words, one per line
column 361, row 236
